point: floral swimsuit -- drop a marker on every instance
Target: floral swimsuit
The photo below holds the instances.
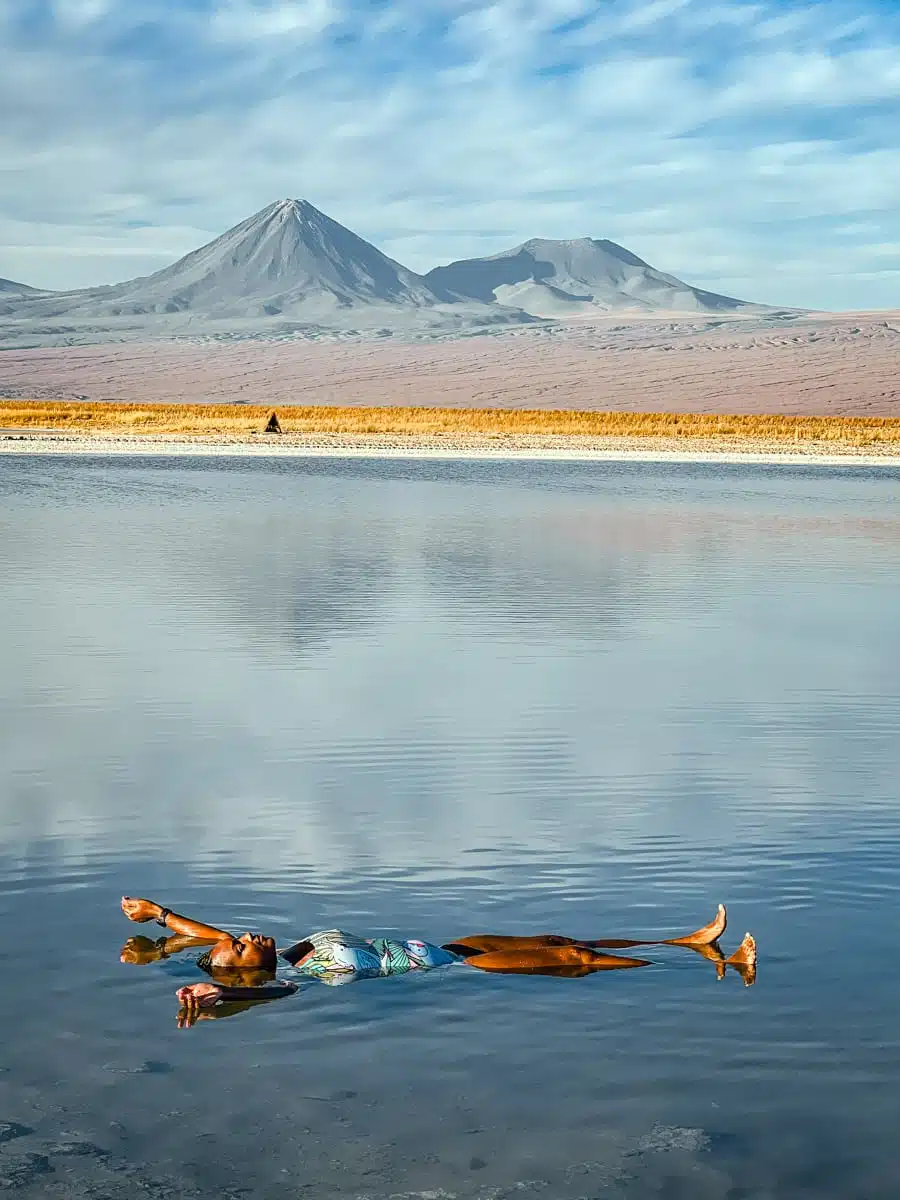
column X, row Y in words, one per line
column 340, row 957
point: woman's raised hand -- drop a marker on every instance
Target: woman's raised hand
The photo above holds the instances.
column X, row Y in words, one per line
column 140, row 910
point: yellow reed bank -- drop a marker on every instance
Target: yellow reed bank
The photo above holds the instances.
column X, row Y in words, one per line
column 202, row 420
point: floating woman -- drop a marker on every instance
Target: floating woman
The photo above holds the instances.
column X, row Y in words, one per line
column 248, row 969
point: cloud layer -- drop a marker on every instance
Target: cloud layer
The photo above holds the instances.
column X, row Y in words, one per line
column 746, row 147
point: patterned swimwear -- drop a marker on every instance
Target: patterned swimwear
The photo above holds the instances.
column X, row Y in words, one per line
column 340, row 957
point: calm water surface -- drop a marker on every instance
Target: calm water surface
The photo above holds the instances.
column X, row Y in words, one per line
column 435, row 699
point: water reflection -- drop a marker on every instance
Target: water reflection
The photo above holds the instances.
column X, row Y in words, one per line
column 607, row 631
column 535, row 579
column 293, row 582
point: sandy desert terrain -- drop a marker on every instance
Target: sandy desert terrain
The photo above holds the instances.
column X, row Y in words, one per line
column 828, row 364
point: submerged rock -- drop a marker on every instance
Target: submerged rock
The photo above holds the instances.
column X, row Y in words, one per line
column 150, row 1066
column 18, row 1170
column 75, row 1148
column 663, row 1138
column 9, row 1130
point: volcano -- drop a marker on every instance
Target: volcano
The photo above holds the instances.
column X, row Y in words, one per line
column 569, row 278
column 289, row 259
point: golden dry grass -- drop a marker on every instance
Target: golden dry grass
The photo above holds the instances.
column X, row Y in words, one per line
column 242, row 420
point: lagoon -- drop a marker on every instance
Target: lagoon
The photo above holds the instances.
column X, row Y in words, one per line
column 435, row 698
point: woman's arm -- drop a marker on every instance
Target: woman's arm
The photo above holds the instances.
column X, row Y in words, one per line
column 148, row 910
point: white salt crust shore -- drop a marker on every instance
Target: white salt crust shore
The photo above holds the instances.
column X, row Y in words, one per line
column 556, row 448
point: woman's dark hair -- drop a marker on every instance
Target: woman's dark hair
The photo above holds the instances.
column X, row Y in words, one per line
column 204, row 962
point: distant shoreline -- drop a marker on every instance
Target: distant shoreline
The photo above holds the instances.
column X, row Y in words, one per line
column 382, row 431
column 554, row 447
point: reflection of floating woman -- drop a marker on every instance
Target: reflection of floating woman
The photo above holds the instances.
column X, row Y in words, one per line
column 243, row 968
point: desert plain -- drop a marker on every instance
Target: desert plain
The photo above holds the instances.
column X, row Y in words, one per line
column 806, row 365
column 778, row 372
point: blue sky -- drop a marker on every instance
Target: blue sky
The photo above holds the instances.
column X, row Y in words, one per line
column 750, row 146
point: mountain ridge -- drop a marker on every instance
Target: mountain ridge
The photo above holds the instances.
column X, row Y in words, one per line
column 9, row 287
column 289, row 268
column 551, row 278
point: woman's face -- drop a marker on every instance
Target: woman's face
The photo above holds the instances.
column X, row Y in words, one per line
column 249, row 952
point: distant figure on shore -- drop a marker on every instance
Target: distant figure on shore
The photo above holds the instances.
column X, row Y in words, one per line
column 249, row 969
column 273, row 425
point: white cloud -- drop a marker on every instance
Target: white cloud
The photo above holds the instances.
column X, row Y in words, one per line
column 817, row 79
column 239, row 20
column 643, row 16
column 80, row 12
column 461, row 127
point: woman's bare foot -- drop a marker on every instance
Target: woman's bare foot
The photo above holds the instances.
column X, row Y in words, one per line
column 745, row 955
column 708, row 935
column 744, row 959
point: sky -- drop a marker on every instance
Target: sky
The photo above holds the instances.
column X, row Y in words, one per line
column 747, row 146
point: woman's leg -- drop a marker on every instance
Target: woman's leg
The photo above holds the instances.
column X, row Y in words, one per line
column 708, row 935
column 481, row 943
column 570, row 961
column 578, row 960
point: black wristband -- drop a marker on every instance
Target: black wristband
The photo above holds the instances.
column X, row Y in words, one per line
column 161, row 919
